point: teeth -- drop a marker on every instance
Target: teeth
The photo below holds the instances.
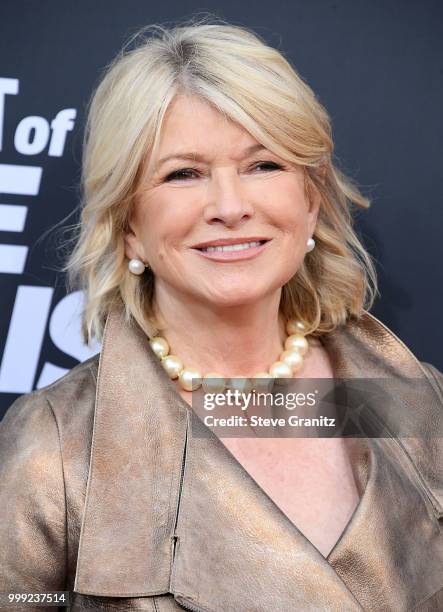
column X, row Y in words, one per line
column 231, row 247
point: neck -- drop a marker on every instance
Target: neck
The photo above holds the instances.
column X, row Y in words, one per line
column 233, row 341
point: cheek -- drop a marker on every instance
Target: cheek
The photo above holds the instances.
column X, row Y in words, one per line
column 286, row 203
column 290, row 217
column 166, row 231
column 164, row 224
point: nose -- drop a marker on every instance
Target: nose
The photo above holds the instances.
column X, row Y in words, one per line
column 227, row 203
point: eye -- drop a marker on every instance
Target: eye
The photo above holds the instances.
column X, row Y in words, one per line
column 180, row 175
column 268, row 165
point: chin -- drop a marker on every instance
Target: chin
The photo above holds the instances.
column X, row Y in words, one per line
column 233, row 298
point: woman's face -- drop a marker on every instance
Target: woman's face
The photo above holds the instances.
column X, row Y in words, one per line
column 231, row 189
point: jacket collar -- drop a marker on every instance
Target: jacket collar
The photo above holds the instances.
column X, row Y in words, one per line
column 158, row 506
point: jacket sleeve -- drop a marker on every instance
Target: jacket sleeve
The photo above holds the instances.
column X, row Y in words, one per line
column 32, row 499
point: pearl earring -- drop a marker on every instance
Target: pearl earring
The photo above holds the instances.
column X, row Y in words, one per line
column 136, row 266
column 310, row 245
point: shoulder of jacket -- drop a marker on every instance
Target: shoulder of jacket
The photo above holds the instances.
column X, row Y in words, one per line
column 72, row 397
column 424, row 367
column 433, row 375
column 73, row 393
column 84, row 373
column 377, row 347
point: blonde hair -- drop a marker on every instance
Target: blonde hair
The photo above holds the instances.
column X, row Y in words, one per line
column 252, row 84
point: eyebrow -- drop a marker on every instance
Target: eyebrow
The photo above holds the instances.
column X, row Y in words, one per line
column 201, row 158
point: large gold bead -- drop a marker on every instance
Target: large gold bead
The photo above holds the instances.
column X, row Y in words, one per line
column 293, row 326
column 160, row 346
column 213, row 383
column 173, row 365
column 297, row 342
column 190, row 379
column 294, row 359
column 263, row 382
column 240, row 383
column 280, row 369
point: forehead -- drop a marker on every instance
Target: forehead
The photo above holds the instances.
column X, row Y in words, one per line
column 192, row 123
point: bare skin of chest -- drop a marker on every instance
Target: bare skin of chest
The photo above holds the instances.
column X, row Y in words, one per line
column 310, row 480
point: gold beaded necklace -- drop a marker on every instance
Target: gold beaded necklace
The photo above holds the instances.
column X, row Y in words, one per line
column 291, row 361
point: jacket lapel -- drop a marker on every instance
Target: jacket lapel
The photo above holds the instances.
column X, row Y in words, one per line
column 169, row 512
column 139, row 434
column 236, row 550
column 391, row 553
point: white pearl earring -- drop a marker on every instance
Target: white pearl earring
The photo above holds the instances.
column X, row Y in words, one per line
column 310, row 244
column 136, row 266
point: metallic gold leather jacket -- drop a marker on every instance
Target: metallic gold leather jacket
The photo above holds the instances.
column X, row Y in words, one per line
column 104, row 492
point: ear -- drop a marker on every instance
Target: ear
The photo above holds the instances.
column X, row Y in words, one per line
column 133, row 247
column 313, row 214
column 313, row 201
column 313, row 197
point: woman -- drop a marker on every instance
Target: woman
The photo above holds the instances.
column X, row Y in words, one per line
column 216, row 241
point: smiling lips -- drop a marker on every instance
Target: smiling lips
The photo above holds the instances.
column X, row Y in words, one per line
column 230, row 249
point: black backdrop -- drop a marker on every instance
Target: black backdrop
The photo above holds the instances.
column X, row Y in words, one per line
column 377, row 67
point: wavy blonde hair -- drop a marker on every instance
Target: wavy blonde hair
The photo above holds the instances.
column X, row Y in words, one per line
column 252, row 84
